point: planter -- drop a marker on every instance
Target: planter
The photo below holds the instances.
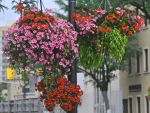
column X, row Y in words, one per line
column 62, row 92
column 103, row 31
column 39, row 40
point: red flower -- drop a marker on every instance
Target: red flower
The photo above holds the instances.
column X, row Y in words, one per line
column 63, row 93
column 19, row 7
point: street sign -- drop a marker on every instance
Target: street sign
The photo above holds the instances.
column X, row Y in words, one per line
column 18, row 96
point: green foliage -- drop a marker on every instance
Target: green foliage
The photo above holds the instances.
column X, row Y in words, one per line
column 27, row 4
column 24, row 74
column 2, row 98
column 117, row 43
column 88, row 54
column 63, row 6
column 140, row 5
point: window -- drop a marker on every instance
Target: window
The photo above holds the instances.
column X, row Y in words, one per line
column 147, row 105
column 130, row 66
column 3, row 73
column 146, row 23
column 4, row 68
column 146, row 59
column 130, row 105
column 138, row 62
column 125, row 105
column 5, row 94
column 4, row 60
column 138, row 105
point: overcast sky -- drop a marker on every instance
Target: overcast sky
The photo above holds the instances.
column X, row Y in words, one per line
column 10, row 15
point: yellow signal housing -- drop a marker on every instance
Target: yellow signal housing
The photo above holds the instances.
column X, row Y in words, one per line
column 10, row 73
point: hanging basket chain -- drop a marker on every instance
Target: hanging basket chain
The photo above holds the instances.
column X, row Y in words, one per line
column 105, row 3
column 41, row 5
column 109, row 4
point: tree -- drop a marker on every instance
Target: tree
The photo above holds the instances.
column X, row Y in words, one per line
column 142, row 5
column 1, row 96
column 2, row 7
column 2, row 87
column 27, row 3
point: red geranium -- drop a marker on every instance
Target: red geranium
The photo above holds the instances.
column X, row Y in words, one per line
column 59, row 91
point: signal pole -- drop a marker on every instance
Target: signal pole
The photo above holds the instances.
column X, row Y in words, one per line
column 73, row 77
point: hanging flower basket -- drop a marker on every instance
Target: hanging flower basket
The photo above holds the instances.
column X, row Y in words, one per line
column 103, row 32
column 40, row 40
column 60, row 91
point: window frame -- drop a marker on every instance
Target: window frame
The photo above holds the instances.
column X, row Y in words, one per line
column 130, row 66
column 146, row 64
column 129, row 104
column 138, row 62
column 147, row 109
column 138, row 96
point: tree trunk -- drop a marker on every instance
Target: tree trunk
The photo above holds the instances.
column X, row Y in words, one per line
column 105, row 98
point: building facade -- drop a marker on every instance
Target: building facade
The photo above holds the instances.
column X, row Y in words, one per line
column 13, row 88
column 136, row 81
column 3, row 63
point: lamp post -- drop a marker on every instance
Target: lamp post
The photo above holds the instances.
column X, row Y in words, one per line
column 73, row 77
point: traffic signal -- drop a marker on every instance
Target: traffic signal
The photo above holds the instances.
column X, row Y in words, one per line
column 9, row 73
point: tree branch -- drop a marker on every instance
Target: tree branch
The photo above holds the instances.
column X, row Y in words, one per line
column 143, row 4
column 141, row 8
column 92, row 75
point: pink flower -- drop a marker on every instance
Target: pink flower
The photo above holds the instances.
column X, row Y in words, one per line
column 60, row 63
column 118, row 8
column 47, row 48
column 15, row 34
column 49, row 10
column 21, row 64
column 26, row 68
column 18, row 45
column 38, row 27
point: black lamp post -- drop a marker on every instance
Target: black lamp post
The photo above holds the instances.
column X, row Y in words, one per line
column 73, row 76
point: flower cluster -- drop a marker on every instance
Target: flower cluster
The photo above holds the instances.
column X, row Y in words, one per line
column 41, row 40
column 35, row 19
column 148, row 91
column 104, row 21
column 102, row 31
column 59, row 91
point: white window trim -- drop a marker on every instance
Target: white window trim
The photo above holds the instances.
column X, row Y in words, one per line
column 144, row 68
column 137, row 104
column 145, row 103
column 132, row 104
